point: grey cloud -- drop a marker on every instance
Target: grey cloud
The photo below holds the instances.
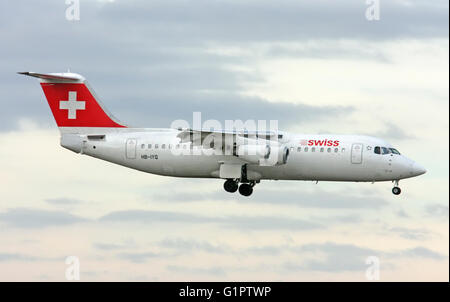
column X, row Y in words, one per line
column 160, row 47
column 238, row 222
column 321, row 199
column 393, row 132
column 421, row 252
column 437, row 210
column 265, row 250
column 171, row 248
column 327, row 49
column 63, row 201
column 295, row 197
column 109, row 246
column 189, row 245
column 138, row 257
column 412, row 234
column 401, row 213
column 231, row 107
column 265, row 20
column 34, row 218
column 10, row 257
column 269, row 223
column 349, row 257
column 340, row 219
column 139, row 278
column 338, row 257
column 143, row 216
column 7, row 257
column 214, row 270
column 43, row 277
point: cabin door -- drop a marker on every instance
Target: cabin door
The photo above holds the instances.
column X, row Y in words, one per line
column 130, row 148
column 357, row 150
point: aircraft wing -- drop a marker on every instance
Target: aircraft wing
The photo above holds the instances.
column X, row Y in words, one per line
column 228, row 137
column 263, row 148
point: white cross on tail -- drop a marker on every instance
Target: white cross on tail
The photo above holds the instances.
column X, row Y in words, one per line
column 72, row 105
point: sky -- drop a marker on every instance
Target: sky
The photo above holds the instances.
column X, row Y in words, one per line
column 315, row 66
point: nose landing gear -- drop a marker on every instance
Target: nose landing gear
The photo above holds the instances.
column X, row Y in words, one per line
column 396, row 189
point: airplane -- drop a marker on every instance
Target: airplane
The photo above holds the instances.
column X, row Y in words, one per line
column 240, row 157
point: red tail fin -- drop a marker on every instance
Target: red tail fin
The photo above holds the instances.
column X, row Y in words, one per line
column 72, row 103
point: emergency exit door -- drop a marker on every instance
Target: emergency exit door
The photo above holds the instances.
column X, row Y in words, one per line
column 357, row 153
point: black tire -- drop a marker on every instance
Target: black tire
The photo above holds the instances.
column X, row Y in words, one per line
column 245, row 190
column 230, row 186
column 396, row 190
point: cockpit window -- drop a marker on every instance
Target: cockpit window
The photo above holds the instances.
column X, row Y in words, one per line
column 377, row 150
column 384, row 150
column 395, row 151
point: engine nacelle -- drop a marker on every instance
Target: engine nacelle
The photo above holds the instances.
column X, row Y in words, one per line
column 278, row 156
column 253, row 153
column 263, row 155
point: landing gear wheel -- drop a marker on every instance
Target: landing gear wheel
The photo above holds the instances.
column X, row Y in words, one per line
column 396, row 190
column 230, row 186
column 245, row 189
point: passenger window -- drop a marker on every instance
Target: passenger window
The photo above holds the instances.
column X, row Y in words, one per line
column 149, row 146
column 343, row 150
column 329, row 150
column 377, row 150
column 156, row 146
column 336, row 150
column 321, row 149
column 178, row 146
column 292, row 149
column 299, row 149
column 163, row 146
column 313, row 149
column 170, row 146
column 306, row 149
column 142, row 146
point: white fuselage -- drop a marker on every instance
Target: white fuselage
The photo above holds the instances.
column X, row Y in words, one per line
column 152, row 151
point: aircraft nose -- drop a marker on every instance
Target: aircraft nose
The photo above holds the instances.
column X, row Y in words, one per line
column 417, row 169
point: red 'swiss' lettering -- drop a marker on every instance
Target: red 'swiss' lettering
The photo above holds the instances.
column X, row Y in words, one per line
column 323, row 142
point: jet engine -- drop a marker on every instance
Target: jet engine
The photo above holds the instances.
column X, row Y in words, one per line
column 264, row 155
column 278, row 156
column 253, row 153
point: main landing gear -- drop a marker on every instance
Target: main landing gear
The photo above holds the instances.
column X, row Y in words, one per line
column 396, row 189
column 231, row 185
column 245, row 189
